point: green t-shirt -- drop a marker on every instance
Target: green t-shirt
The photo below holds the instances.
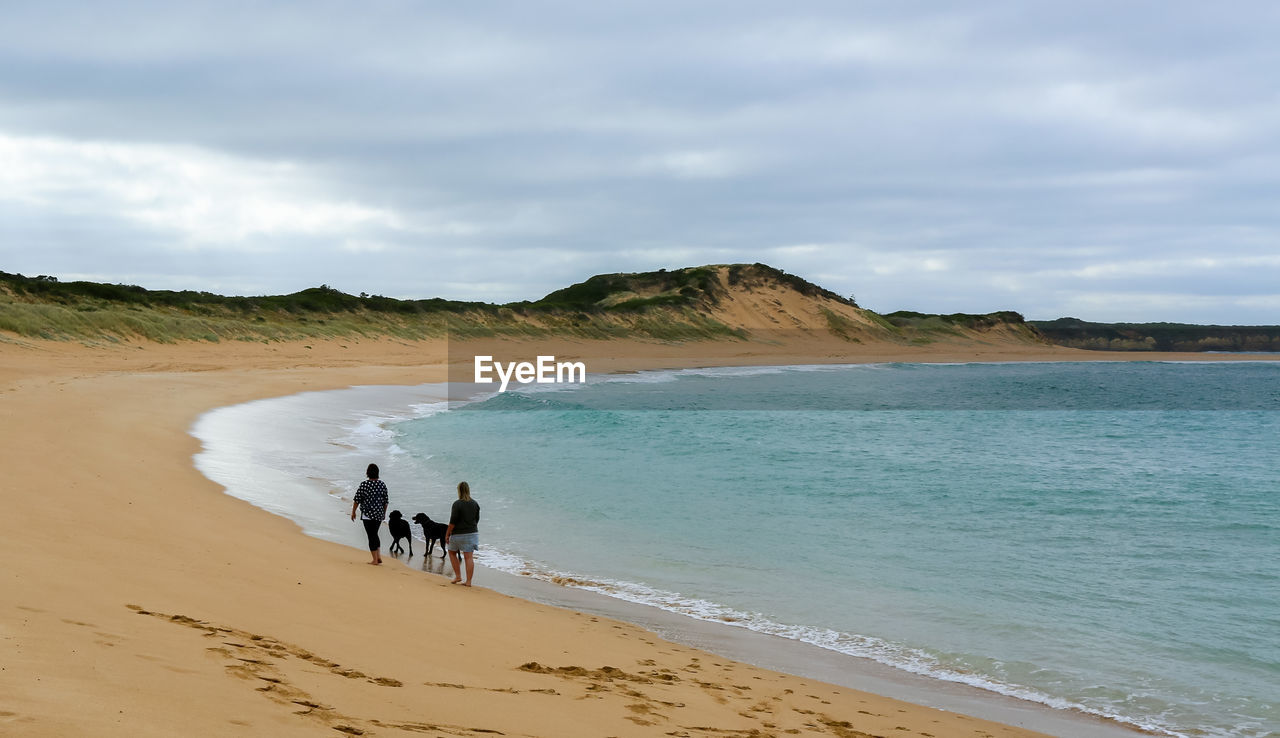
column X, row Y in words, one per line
column 465, row 516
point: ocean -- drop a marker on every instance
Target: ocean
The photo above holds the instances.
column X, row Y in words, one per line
column 1099, row 537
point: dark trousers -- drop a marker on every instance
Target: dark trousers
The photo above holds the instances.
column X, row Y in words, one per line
column 371, row 530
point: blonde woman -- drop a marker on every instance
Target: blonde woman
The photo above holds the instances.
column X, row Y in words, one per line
column 463, row 535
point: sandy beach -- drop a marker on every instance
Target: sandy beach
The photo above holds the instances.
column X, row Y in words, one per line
column 141, row 600
column 868, row 321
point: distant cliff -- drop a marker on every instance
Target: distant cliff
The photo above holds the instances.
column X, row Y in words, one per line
column 1077, row 333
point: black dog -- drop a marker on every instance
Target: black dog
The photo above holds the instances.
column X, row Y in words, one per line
column 432, row 531
column 399, row 528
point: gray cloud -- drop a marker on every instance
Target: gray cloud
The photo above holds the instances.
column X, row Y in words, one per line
column 1109, row 162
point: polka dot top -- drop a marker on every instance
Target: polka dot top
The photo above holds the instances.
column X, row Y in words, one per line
column 371, row 495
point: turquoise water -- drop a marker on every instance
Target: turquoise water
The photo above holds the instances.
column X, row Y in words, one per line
column 1098, row 536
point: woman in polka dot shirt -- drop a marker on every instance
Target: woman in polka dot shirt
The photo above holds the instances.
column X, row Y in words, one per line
column 371, row 499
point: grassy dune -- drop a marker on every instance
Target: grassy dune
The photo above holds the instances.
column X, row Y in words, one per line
column 677, row 305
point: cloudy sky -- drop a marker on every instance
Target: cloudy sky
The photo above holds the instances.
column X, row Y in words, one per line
column 1109, row 161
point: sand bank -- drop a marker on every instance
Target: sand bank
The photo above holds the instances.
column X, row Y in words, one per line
column 139, row 600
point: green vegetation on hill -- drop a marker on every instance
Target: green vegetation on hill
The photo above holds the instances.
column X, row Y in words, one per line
column 750, row 274
column 682, row 287
column 924, row 327
column 689, row 287
column 677, row 304
column 312, row 300
column 907, row 318
column 1078, row 333
column 662, row 305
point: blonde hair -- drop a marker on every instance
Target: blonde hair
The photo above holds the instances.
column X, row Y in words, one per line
column 464, row 491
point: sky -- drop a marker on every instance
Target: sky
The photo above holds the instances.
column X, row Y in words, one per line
column 1101, row 160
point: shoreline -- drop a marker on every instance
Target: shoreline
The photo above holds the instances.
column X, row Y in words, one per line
column 102, row 433
column 808, row 661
